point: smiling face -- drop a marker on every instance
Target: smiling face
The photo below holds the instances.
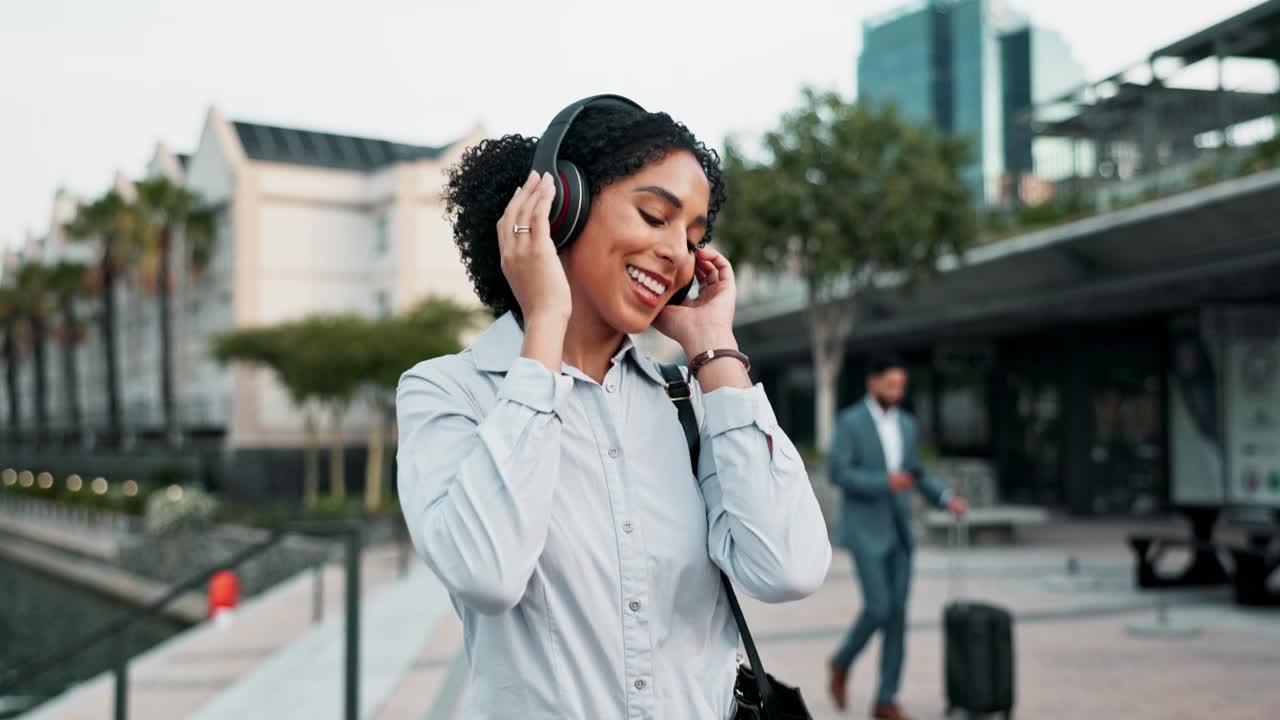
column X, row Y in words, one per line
column 638, row 246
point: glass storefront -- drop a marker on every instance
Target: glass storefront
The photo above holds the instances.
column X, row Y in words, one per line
column 1030, row 425
column 1073, row 419
column 1126, row 442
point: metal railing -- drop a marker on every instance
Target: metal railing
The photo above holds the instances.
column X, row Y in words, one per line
column 15, row 679
column 78, row 516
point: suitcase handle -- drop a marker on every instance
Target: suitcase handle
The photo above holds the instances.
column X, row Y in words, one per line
column 959, row 535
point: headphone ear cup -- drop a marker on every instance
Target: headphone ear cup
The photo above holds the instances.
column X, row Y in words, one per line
column 571, row 206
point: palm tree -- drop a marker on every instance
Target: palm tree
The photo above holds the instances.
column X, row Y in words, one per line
column 33, row 290
column 66, row 283
column 111, row 221
column 165, row 208
column 9, row 318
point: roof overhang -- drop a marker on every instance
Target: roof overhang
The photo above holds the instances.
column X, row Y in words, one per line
column 1212, row 244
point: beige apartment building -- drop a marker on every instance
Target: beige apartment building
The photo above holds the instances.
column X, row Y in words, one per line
column 305, row 222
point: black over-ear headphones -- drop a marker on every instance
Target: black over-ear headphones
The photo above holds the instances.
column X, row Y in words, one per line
column 572, row 203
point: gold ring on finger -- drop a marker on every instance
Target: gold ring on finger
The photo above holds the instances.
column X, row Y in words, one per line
column 517, row 229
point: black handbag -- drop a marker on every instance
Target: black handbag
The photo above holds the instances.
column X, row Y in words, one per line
column 759, row 696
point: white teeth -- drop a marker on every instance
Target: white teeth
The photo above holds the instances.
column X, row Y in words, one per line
column 646, row 280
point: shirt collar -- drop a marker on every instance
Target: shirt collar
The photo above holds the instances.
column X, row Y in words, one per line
column 878, row 413
column 499, row 346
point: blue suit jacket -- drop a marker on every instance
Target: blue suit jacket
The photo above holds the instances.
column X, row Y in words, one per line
column 873, row 518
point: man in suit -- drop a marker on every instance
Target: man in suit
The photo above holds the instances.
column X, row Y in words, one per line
column 875, row 460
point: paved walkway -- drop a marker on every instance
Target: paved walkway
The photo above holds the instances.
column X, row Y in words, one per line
column 1076, row 658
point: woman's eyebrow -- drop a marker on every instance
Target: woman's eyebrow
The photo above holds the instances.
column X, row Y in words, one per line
column 663, row 193
column 670, row 197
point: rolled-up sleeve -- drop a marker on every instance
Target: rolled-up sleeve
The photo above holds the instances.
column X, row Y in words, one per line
column 765, row 529
column 476, row 492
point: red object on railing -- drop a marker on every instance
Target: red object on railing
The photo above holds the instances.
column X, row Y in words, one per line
column 224, row 592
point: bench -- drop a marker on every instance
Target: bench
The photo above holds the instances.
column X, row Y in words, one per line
column 996, row 524
column 1253, row 566
column 1255, row 563
column 1205, row 570
column 990, row 521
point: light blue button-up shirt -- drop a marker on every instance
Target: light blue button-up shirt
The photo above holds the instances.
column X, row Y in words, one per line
column 581, row 554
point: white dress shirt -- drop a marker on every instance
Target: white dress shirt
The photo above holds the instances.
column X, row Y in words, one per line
column 576, row 544
column 889, row 427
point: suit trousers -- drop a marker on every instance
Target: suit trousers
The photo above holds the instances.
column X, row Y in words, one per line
column 886, row 584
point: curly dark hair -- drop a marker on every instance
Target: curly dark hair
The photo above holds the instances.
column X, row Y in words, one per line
column 607, row 142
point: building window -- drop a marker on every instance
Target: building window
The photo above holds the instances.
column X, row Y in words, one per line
column 382, row 238
column 382, row 303
column 963, row 413
column 960, row 390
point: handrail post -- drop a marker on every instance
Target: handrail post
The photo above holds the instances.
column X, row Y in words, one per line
column 353, row 623
column 122, row 677
column 317, row 593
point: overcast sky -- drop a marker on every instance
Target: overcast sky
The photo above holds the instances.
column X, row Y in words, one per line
column 88, row 86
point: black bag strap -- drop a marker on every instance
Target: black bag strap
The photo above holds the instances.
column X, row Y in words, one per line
column 679, row 392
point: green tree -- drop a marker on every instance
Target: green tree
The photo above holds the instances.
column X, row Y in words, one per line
column 329, row 361
column 430, row 329
column 268, row 347
column 113, row 224
column 319, row 361
column 329, row 355
column 843, row 197
column 66, row 283
column 166, row 209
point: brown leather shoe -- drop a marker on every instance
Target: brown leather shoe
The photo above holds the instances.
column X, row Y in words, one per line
column 838, row 686
column 888, row 711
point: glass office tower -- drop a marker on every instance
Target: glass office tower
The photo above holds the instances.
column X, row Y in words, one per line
column 970, row 67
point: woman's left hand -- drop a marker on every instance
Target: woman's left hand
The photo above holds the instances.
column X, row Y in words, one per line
column 706, row 322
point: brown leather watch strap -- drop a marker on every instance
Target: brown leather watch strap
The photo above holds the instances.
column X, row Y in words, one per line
column 702, row 358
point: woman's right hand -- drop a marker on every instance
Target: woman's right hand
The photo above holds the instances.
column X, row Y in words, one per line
column 534, row 272
column 529, row 259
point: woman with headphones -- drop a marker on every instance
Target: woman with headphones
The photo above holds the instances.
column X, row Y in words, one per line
column 544, row 472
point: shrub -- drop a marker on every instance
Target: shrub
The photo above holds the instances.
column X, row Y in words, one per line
column 179, row 507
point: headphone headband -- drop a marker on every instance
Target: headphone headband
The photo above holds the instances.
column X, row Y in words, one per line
column 548, row 149
column 572, row 202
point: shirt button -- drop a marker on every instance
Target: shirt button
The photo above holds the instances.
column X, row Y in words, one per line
column 611, row 388
column 613, row 452
column 635, row 606
column 640, row 684
column 628, row 527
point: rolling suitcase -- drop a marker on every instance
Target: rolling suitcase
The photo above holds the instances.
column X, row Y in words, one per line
column 978, row 657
